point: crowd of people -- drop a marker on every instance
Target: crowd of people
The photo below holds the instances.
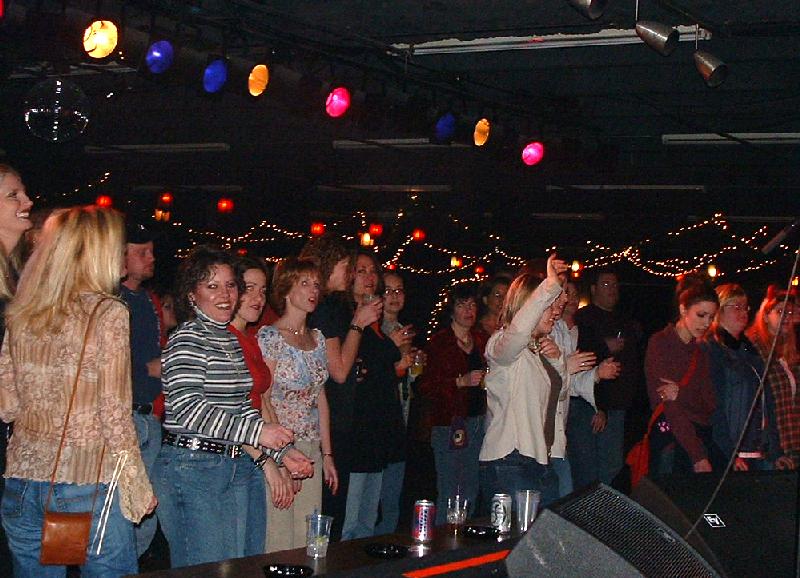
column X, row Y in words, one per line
column 231, row 406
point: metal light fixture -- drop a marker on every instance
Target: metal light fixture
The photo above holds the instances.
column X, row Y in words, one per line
column 660, row 37
column 711, row 68
column 591, row 9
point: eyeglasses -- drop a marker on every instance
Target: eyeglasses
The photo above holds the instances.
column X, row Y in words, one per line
column 610, row 284
column 779, row 311
column 738, row 307
column 398, row 291
column 466, row 305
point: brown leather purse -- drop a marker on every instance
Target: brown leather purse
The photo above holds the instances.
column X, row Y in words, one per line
column 65, row 535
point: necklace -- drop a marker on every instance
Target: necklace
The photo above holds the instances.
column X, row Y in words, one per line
column 465, row 343
column 301, row 331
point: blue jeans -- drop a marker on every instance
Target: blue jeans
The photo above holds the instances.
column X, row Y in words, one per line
column 363, row 495
column 391, row 488
column 148, row 430
column 199, row 504
column 517, row 472
column 456, row 469
column 594, row 456
column 563, row 470
column 23, row 512
column 250, row 487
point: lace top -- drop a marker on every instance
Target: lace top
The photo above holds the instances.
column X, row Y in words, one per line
column 298, row 379
column 36, row 378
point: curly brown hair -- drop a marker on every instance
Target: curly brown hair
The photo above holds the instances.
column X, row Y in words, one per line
column 326, row 251
column 198, row 267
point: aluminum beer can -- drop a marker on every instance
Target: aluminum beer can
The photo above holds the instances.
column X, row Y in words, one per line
column 424, row 518
column 501, row 513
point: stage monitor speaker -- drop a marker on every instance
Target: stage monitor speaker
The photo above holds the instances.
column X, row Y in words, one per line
column 599, row 532
column 750, row 528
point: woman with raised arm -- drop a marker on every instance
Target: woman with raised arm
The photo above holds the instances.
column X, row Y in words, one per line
column 526, row 378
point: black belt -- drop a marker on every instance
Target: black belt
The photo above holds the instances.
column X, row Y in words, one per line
column 201, row 444
column 143, row 408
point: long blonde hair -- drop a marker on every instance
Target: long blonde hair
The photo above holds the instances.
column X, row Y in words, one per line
column 8, row 263
column 81, row 250
column 518, row 292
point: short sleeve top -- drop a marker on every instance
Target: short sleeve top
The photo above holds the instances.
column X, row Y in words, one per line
column 297, row 381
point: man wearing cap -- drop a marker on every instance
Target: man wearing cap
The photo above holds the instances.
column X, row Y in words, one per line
column 145, row 357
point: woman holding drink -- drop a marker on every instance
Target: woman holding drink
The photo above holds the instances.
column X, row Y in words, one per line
column 452, row 386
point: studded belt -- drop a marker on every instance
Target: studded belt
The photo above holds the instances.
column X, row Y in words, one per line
column 201, row 444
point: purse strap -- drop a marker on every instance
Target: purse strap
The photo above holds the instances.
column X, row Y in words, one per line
column 69, row 410
column 659, row 409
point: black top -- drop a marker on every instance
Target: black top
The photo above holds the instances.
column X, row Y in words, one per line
column 378, row 427
column 332, row 317
column 594, row 326
column 476, row 402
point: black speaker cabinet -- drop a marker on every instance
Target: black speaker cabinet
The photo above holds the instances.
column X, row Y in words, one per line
column 599, row 532
column 749, row 530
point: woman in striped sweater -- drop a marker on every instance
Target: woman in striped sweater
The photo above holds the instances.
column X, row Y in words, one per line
column 207, row 418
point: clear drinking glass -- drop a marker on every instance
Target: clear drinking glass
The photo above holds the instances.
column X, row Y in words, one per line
column 457, row 507
column 527, row 505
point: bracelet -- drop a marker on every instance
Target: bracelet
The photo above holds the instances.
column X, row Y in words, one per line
column 261, row 460
column 279, row 454
column 356, row 328
column 327, row 454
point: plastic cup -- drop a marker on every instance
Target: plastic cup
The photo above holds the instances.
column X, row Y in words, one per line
column 527, row 505
column 318, row 534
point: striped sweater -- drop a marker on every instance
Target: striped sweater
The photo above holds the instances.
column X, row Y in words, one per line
column 207, row 384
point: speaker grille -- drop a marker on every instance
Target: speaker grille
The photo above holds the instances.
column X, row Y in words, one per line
column 634, row 533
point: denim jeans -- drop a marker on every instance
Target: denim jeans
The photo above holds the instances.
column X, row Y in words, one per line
column 594, row 456
column 563, row 470
column 517, row 472
column 148, row 430
column 23, row 512
column 457, row 469
column 250, row 487
column 391, row 488
column 363, row 496
column 199, row 504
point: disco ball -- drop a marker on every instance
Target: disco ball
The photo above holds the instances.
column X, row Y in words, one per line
column 56, row 110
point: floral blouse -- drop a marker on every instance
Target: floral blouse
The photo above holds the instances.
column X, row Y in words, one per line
column 297, row 381
column 36, row 378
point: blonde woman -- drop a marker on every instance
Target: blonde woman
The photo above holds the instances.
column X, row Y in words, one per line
column 15, row 209
column 77, row 264
column 526, row 379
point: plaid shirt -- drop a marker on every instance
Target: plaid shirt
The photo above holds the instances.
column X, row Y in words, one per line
column 787, row 406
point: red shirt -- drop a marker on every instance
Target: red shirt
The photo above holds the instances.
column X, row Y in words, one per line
column 262, row 378
column 446, row 362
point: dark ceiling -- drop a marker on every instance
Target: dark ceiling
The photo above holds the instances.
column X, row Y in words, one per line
column 600, row 110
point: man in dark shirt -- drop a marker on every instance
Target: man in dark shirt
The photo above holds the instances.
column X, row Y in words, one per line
column 596, row 439
column 145, row 357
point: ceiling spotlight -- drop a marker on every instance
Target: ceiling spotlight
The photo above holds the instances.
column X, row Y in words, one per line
column 713, row 70
column 591, row 9
column 159, row 56
column 480, row 135
column 338, row 102
column 660, row 37
column 445, row 128
column 100, row 38
column 533, row 153
column 215, row 75
column 258, row 80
